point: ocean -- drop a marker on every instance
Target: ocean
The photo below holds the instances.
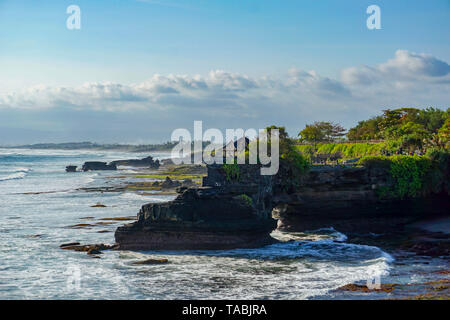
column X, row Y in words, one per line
column 39, row 201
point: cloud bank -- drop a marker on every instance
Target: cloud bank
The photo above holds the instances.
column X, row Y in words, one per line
column 224, row 99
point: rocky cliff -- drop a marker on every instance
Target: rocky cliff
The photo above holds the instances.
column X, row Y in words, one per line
column 224, row 213
column 235, row 206
column 346, row 198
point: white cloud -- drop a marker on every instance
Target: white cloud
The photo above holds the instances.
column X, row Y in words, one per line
column 408, row 79
column 404, row 67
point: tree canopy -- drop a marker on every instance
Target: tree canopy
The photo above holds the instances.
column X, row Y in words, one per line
column 321, row 131
column 410, row 127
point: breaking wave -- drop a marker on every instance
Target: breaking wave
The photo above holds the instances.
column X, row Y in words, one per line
column 14, row 174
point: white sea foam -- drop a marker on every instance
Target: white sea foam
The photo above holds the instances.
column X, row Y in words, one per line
column 149, row 198
column 302, row 266
column 19, row 169
column 14, row 176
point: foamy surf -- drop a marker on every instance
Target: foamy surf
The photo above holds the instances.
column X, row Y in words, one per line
column 14, row 176
column 154, row 197
column 301, row 266
column 308, row 268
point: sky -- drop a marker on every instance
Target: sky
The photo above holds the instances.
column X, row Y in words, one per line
column 138, row 69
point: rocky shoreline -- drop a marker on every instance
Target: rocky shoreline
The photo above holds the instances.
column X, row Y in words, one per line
column 222, row 209
column 228, row 211
column 222, row 214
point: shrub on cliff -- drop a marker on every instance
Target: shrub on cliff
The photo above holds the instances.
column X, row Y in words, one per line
column 246, row 199
column 412, row 176
column 293, row 165
column 232, row 172
column 370, row 162
column 439, row 176
column 409, row 173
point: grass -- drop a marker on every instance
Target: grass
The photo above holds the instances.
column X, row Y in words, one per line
column 180, row 172
column 348, row 150
column 171, row 176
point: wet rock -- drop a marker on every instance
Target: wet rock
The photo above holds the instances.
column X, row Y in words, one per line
column 98, row 205
column 94, row 251
column 80, row 226
column 69, row 244
column 103, row 223
column 429, row 247
column 151, row 262
column 145, row 162
column 97, row 165
column 88, row 247
column 80, row 248
column 71, row 169
column 169, row 183
column 119, row 219
column 363, row 288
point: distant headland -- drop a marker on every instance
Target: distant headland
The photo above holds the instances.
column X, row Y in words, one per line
column 97, row 146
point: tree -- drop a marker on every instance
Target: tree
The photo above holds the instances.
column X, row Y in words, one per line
column 366, row 130
column 337, row 131
column 292, row 164
column 408, row 124
column 322, row 131
column 444, row 133
column 312, row 133
column 432, row 118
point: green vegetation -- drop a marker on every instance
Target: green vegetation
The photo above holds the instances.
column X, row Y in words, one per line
column 180, row 172
column 289, row 155
column 412, row 176
column 410, row 128
column 443, row 134
column 231, row 172
column 246, row 199
column 293, row 165
column 409, row 173
column 412, row 131
column 345, row 150
column 371, row 162
column 321, row 131
column 402, row 131
column 163, row 176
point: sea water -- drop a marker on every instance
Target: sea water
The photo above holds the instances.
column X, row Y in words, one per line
column 39, row 202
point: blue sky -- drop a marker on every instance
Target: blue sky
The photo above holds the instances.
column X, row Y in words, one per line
column 259, row 61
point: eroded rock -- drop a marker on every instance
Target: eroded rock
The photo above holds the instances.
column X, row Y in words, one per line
column 145, row 162
column 151, row 262
column 98, row 165
column 208, row 217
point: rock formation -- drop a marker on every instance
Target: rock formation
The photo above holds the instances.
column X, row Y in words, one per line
column 145, row 162
column 346, row 199
column 97, row 165
column 71, row 169
column 234, row 208
column 169, row 183
column 224, row 213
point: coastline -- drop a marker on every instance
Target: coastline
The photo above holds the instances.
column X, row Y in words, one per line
column 102, row 205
